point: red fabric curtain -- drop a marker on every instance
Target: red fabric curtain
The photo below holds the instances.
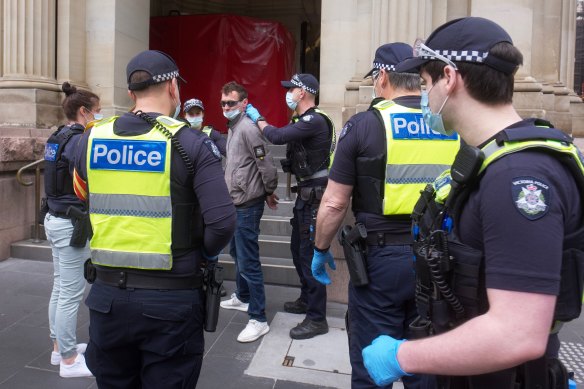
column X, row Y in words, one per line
column 211, row 50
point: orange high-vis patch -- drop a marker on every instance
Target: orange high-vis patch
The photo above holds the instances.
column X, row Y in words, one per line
column 79, row 186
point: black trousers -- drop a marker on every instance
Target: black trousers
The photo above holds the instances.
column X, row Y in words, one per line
column 312, row 292
column 145, row 339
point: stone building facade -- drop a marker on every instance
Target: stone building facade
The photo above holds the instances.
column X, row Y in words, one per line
column 89, row 42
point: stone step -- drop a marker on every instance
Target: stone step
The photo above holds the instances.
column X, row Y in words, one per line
column 276, row 260
column 279, row 271
column 284, row 208
column 276, row 225
column 278, row 151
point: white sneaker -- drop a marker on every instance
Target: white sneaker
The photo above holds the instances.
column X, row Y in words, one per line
column 77, row 369
column 56, row 356
column 234, row 303
column 253, row 331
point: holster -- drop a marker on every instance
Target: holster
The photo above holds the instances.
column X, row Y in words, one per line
column 81, row 227
column 353, row 241
column 89, row 272
column 213, row 279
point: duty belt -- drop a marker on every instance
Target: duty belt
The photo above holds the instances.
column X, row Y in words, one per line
column 387, row 239
column 310, row 193
column 318, row 174
column 123, row 280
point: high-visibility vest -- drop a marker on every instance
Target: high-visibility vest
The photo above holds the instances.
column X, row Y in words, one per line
column 129, row 196
column 416, row 155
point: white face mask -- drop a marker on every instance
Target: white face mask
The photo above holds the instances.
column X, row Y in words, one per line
column 195, row 121
column 230, row 115
column 290, row 101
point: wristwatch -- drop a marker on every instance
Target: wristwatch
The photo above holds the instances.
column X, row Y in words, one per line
column 261, row 119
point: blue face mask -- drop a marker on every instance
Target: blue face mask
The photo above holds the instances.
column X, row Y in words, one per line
column 230, row 115
column 433, row 120
column 195, row 121
column 97, row 116
column 290, row 101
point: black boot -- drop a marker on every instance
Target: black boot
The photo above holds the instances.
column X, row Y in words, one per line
column 297, row 306
column 309, row 329
column 222, row 291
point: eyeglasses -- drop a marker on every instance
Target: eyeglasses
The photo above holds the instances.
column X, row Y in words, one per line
column 375, row 74
column 229, row 103
column 421, row 50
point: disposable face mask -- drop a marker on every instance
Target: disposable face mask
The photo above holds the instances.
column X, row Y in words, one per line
column 195, row 121
column 176, row 111
column 97, row 116
column 373, row 94
column 434, row 120
column 290, row 101
column 230, row 115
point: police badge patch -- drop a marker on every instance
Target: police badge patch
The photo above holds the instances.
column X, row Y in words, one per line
column 345, row 130
column 307, row 118
column 213, row 147
column 531, row 197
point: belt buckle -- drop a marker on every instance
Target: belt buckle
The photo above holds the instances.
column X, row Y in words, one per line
column 123, row 280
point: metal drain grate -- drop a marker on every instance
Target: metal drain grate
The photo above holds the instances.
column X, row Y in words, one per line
column 572, row 355
column 288, row 361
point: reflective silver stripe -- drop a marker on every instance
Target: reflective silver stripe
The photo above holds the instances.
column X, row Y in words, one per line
column 130, row 205
column 491, row 149
column 318, row 174
column 413, row 174
column 131, row 259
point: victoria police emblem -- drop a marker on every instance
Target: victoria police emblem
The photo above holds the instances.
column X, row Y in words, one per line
column 345, row 130
column 531, row 197
column 307, row 118
column 213, row 147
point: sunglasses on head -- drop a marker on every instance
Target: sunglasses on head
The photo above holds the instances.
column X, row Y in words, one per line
column 229, row 103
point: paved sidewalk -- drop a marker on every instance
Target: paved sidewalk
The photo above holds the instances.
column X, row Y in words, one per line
column 322, row 362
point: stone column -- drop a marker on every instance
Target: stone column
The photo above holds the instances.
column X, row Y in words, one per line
column 71, row 37
column 116, row 31
column 395, row 21
column 27, row 77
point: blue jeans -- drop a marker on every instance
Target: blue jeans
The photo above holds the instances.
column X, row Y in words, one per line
column 145, row 338
column 68, row 284
column 385, row 306
column 245, row 250
column 312, row 292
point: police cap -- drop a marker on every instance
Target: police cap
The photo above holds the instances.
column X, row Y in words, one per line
column 462, row 40
column 389, row 55
column 305, row 81
column 192, row 103
column 159, row 65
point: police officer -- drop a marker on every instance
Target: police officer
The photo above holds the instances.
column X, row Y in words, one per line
column 159, row 208
column 69, row 253
column 309, row 138
column 385, row 157
column 497, row 257
column 194, row 112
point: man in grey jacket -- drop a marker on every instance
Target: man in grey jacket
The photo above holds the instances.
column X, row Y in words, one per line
column 251, row 178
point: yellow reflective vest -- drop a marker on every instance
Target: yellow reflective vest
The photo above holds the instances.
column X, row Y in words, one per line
column 416, row 155
column 129, row 196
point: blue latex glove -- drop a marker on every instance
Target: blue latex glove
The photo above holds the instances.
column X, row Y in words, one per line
column 318, row 269
column 252, row 113
column 380, row 360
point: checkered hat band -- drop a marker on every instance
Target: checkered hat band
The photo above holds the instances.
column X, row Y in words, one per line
column 165, row 76
column 299, row 83
column 463, row 55
column 390, row 68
